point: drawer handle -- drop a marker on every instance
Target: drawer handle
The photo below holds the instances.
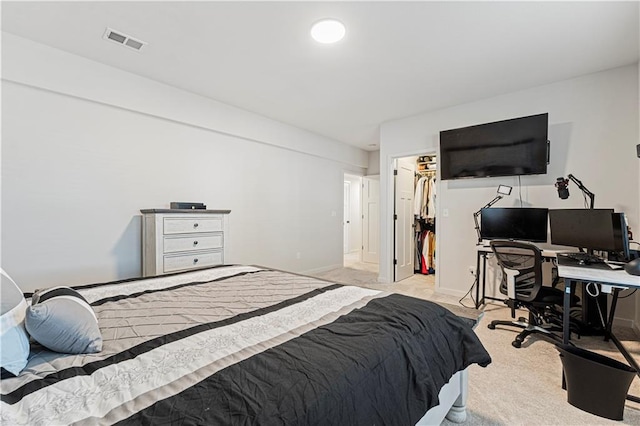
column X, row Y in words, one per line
column 195, row 243
column 195, row 260
column 195, row 225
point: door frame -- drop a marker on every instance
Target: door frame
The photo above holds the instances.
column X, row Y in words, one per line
column 387, row 224
column 346, row 234
column 367, row 222
column 356, row 222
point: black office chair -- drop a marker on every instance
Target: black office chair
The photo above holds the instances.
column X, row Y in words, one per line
column 521, row 265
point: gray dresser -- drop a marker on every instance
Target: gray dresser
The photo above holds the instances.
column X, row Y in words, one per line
column 179, row 240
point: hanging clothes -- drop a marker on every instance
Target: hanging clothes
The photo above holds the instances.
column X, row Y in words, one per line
column 425, row 244
column 424, row 267
column 424, row 198
column 424, row 209
column 417, row 264
column 428, row 253
column 418, row 196
column 430, row 203
column 431, row 253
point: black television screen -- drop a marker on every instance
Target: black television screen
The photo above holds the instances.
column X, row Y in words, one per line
column 524, row 224
column 584, row 228
column 504, row 148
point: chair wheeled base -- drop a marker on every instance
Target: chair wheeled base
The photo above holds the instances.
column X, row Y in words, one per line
column 532, row 326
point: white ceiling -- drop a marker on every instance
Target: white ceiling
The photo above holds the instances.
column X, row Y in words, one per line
column 398, row 58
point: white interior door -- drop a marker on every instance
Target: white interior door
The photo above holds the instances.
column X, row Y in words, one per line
column 346, row 221
column 404, row 239
column 371, row 219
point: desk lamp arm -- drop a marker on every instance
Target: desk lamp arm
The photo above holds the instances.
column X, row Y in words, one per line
column 476, row 214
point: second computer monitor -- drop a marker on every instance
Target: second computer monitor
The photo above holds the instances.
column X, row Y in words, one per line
column 584, row 228
column 524, row 224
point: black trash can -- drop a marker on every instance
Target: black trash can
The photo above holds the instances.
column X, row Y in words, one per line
column 595, row 383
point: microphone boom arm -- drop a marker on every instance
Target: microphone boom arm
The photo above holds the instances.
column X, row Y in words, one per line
column 584, row 190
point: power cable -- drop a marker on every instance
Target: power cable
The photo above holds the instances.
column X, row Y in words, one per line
column 470, row 293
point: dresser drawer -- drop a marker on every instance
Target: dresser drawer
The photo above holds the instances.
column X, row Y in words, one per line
column 190, row 261
column 193, row 242
column 191, row 225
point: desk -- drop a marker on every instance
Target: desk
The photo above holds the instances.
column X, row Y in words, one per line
column 612, row 281
column 590, row 305
column 481, row 258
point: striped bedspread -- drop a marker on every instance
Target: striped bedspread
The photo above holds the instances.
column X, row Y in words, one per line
column 247, row 345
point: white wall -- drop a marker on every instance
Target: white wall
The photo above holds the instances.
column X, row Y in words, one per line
column 593, row 128
column 86, row 146
column 374, row 163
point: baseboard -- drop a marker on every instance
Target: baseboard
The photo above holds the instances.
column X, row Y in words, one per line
column 451, row 292
column 322, row 269
column 625, row 322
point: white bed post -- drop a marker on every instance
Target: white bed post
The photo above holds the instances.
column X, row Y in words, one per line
column 458, row 411
column 453, row 402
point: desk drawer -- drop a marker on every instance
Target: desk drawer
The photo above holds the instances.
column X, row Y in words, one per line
column 193, row 242
column 191, row 225
column 191, row 261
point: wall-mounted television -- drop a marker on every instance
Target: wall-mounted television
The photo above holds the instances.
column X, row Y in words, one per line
column 518, row 146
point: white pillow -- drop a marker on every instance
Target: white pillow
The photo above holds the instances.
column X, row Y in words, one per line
column 61, row 320
column 14, row 340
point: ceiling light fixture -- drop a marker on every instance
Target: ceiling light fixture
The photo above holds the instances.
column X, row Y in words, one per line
column 328, row 31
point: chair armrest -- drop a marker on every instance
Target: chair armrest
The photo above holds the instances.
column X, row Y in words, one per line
column 511, row 282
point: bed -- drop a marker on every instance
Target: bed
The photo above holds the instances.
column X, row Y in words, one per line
column 239, row 345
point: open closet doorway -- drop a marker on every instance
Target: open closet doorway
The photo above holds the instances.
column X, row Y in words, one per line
column 415, row 219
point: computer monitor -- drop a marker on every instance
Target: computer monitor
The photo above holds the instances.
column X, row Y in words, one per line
column 591, row 229
column 524, row 224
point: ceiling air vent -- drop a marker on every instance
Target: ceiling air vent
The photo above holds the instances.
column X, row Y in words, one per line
column 123, row 39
